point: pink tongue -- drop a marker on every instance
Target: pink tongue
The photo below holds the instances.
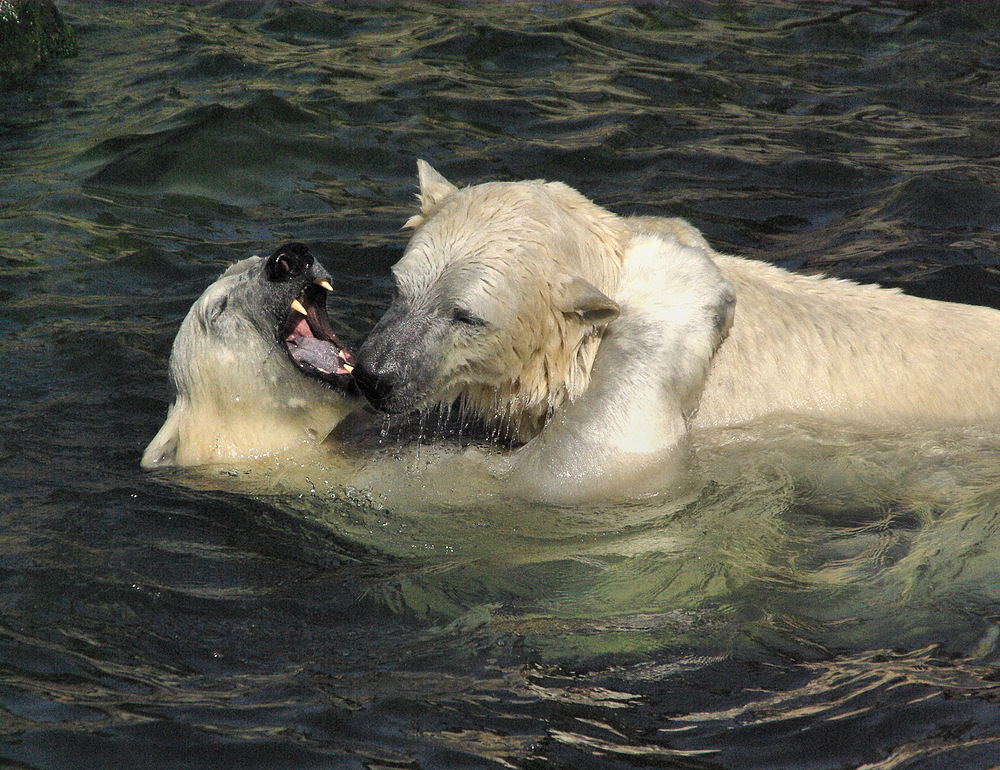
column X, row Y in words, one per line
column 301, row 330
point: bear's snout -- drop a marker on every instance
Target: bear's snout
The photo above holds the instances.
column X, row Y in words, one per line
column 398, row 364
column 376, row 387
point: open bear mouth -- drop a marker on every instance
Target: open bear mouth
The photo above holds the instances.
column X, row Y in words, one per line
column 309, row 339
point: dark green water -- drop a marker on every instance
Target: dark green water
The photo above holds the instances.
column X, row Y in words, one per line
column 848, row 620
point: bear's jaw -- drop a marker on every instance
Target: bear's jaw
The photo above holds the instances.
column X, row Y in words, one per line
column 310, row 341
column 510, row 413
column 515, row 405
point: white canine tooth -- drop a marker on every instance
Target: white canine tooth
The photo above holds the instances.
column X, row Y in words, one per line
column 325, row 284
column 298, row 307
column 347, row 367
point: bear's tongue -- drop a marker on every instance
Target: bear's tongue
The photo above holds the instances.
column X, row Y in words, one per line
column 311, row 353
column 323, row 357
column 309, row 340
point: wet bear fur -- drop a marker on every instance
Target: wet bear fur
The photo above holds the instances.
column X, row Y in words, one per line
column 595, row 343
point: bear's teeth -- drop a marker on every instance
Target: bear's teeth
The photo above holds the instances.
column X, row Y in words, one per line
column 324, row 284
column 298, row 307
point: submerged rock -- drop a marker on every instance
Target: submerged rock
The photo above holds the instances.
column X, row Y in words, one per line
column 32, row 32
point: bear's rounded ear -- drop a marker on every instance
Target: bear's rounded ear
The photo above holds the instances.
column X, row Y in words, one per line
column 162, row 450
column 725, row 311
column 584, row 300
column 434, row 188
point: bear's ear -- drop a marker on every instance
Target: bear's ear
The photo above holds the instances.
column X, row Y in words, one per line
column 584, row 300
column 725, row 311
column 162, row 450
column 434, row 188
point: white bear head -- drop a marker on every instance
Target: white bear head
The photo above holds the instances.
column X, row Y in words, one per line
column 501, row 296
column 255, row 367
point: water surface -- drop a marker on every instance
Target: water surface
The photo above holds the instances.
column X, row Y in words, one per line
column 820, row 599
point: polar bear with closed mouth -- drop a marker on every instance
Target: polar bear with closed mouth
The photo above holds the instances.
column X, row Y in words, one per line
column 595, row 343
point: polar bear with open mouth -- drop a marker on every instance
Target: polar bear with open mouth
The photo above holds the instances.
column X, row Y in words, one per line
column 262, row 388
column 256, row 368
column 595, row 343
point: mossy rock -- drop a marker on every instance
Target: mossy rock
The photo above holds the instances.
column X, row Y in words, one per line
column 32, row 32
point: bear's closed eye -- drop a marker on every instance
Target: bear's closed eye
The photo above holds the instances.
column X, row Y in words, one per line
column 468, row 318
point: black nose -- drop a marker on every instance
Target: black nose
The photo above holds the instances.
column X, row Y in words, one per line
column 288, row 262
column 376, row 389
